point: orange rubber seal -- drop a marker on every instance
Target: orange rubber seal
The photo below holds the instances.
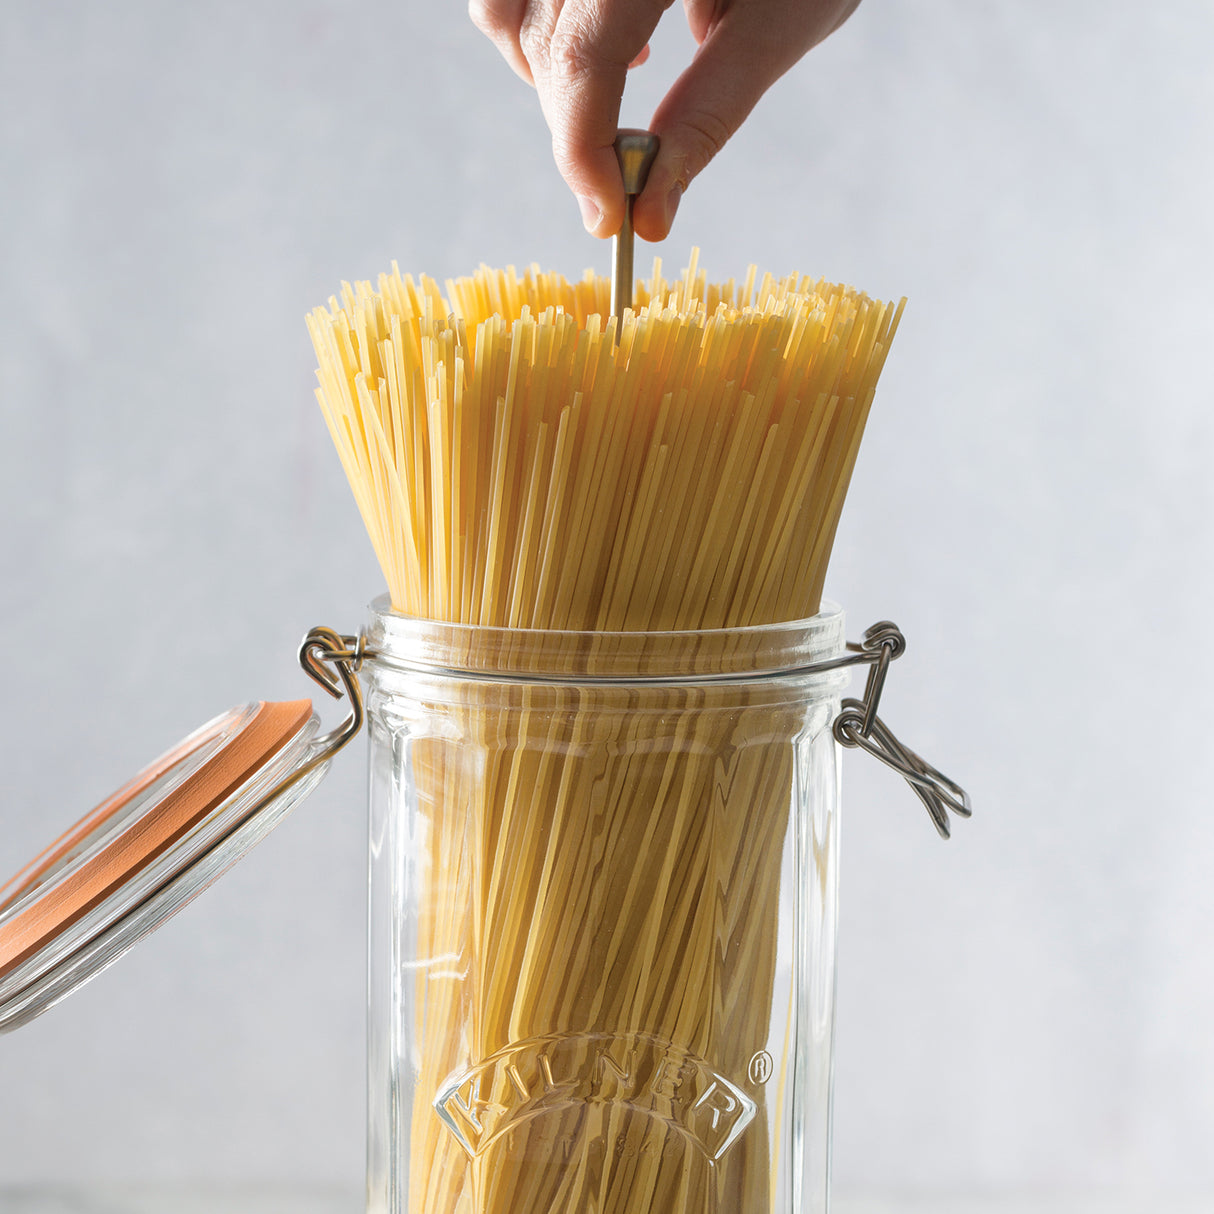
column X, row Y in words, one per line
column 270, row 728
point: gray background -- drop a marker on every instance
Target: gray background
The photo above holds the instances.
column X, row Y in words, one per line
column 1025, row 1009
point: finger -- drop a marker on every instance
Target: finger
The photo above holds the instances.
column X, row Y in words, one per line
column 643, row 57
column 827, row 15
column 500, row 22
column 580, row 85
column 702, row 15
column 845, row 11
column 746, row 49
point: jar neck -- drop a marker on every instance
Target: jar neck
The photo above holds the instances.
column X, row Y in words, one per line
column 767, row 651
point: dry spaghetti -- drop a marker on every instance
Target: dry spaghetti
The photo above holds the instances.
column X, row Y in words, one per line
column 516, row 467
column 605, row 867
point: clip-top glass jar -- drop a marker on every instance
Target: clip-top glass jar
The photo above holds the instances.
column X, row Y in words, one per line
column 603, row 891
column 602, row 928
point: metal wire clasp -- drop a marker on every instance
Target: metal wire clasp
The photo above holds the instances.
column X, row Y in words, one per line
column 858, row 725
column 333, row 661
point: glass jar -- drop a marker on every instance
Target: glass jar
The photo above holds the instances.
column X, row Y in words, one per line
column 603, row 886
column 603, row 879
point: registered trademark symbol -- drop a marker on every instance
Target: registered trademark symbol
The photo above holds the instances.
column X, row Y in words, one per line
column 761, row 1067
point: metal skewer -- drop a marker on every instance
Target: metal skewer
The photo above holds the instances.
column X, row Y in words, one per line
column 635, row 150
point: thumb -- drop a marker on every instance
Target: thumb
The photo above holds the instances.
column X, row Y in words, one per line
column 742, row 56
column 580, row 70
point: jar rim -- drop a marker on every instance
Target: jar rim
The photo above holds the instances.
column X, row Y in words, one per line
column 803, row 648
column 827, row 613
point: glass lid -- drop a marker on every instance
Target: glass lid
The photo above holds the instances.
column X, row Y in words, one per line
column 164, row 836
column 144, row 852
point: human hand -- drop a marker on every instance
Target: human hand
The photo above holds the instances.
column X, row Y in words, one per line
column 577, row 54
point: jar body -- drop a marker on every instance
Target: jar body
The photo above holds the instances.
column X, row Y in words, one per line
column 603, row 882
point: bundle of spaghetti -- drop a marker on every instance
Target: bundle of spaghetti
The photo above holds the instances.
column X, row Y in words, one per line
column 516, row 466
column 603, row 862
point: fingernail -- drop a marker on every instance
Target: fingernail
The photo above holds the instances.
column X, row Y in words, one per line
column 591, row 215
column 672, row 204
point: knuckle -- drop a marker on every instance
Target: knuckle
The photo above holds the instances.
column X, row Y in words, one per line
column 572, row 54
column 566, row 154
column 708, row 134
column 533, row 38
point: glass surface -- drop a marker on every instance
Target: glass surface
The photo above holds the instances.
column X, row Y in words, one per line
column 157, row 892
column 114, row 815
column 603, row 878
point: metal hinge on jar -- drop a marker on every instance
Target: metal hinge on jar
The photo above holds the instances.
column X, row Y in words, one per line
column 858, row 725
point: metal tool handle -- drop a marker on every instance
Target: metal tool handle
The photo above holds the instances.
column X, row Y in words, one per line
column 635, row 150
